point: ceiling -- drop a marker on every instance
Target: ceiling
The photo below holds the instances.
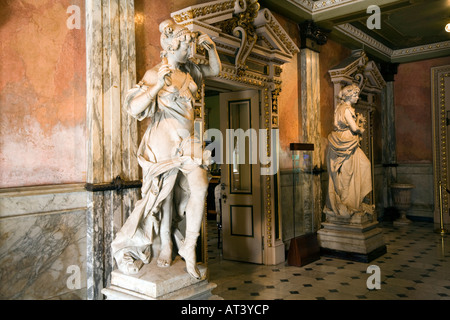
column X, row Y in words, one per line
column 410, row 30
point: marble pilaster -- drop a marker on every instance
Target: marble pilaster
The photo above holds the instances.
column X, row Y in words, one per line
column 310, row 102
column 312, row 38
column 112, row 134
column 389, row 153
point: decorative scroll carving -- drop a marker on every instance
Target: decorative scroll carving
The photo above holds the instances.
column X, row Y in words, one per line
column 275, row 95
column 358, row 69
column 359, row 77
column 241, row 25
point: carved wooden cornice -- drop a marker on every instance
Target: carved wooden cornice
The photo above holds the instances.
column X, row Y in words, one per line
column 392, row 55
column 197, row 12
column 358, row 69
column 312, row 36
column 312, row 6
column 388, row 70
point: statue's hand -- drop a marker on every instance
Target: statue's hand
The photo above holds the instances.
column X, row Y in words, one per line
column 164, row 75
column 205, row 41
column 360, row 119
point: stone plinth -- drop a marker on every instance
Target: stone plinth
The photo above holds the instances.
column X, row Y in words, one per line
column 358, row 242
column 155, row 283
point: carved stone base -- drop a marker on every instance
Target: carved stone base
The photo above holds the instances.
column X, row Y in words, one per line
column 156, row 283
column 403, row 221
column 356, row 242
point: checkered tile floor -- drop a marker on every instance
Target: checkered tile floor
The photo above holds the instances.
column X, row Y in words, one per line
column 416, row 266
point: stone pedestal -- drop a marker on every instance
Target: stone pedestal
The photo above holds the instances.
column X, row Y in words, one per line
column 155, row 283
column 361, row 242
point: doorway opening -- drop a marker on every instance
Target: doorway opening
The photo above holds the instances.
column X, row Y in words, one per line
column 231, row 121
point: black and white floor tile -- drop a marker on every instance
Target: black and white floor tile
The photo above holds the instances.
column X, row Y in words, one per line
column 415, row 267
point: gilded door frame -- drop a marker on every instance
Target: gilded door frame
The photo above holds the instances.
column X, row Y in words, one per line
column 440, row 105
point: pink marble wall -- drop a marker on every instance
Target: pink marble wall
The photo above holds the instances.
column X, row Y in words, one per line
column 412, row 89
column 289, row 112
column 289, row 100
column 42, row 94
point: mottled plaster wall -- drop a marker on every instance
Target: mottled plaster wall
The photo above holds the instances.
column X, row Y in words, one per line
column 42, row 94
column 289, row 99
column 42, row 142
column 412, row 90
column 413, row 123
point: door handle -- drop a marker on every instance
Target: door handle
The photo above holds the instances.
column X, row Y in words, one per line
column 223, row 194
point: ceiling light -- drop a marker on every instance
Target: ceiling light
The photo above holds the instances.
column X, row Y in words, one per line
column 447, row 27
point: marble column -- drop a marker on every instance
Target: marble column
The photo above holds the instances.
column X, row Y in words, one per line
column 111, row 133
column 389, row 153
column 312, row 37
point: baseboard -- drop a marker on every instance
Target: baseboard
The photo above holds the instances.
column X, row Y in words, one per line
column 354, row 256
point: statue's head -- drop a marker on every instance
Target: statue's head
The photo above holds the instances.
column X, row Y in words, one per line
column 348, row 92
column 172, row 35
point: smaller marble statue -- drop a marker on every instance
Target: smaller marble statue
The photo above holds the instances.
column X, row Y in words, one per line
column 350, row 178
column 172, row 157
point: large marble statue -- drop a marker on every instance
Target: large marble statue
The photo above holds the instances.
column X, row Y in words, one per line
column 172, row 158
column 349, row 169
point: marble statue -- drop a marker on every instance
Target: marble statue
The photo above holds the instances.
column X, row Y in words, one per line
column 172, row 157
column 350, row 178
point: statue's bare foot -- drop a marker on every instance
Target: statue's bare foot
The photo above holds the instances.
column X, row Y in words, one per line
column 191, row 263
column 129, row 265
column 187, row 252
column 165, row 257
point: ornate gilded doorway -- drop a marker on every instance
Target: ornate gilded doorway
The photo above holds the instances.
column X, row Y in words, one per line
column 253, row 47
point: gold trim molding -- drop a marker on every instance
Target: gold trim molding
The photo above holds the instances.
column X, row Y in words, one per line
column 387, row 52
column 439, row 76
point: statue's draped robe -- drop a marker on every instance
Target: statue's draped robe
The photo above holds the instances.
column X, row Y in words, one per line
column 349, row 169
column 167, row 150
